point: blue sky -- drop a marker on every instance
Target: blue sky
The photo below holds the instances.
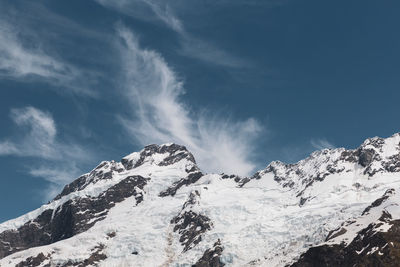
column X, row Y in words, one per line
column 240, row 83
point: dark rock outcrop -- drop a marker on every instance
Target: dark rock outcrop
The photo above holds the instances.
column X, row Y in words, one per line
column 34, row 261
column 96, row 256
column 73, row 217
column 211, row 257
column 379, row 201
column 190, row 179
column 190, row 225
column 95, row 175
column 241, row 181
column 365, row 156
column 176, row 153
column 369, row 248
column 105, row 169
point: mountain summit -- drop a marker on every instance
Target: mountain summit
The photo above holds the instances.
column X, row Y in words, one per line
column 156, row 207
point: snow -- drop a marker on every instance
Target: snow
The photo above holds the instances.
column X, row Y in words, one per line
column 261, row 222
column 134, row 157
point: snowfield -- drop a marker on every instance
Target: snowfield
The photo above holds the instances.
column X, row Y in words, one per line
column 268, row 220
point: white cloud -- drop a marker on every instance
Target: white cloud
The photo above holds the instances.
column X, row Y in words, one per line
column 148, row 10
column 42, row 123
column 56, row 175
column 161, row 11
column 8, row 148
column 23, row 57
column 160, row 116
column 321, row 144
column 207, row 52
column 165, row 14
column 17, row 60
column 42, row 131
column 58, row 160
column 38, row 138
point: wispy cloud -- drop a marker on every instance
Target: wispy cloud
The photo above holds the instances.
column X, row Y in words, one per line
column 57, row 175
column 148, row 10
column 196, row 48
column 38, row 138
column 59, row 160
column 17, row 60
column 321, row 144
column 160, row 115
column 7, row 148
column 162, row 12
column 26, row 55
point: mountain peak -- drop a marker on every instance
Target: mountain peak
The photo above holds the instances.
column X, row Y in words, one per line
column 155, row 207
column 161, row 155
column 151, row 155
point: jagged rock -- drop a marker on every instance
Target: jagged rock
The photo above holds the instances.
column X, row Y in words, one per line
column 190, row 179
column 369, row 248
column 103, row 171
column 379, row 201
column 34, row 261
column 267, row 219
column 176, row 153
column 93, row 260
column 365, row 156
column 190, row 225
column 211, row 257
column 240, row 180
column 73, row 217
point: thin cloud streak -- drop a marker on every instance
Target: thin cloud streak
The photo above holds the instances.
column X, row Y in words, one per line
column 39, row 138
column 56, row 175
column 321, row 144
column 23, row 61
column 58, row 161
column 160, row 116
column 165, row 14
column 205, row 51
column 147, row 10
column 191, row 46
column 17, row 60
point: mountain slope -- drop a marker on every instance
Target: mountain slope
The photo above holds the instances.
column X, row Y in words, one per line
column 156, row 208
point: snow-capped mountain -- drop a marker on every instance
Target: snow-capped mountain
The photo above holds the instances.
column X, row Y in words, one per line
column 155, row 207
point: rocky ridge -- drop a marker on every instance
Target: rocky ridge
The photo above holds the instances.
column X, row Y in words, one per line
column 156, row 207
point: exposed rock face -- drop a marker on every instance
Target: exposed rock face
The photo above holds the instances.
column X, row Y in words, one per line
column 96, row 257
column 372, row 156
column 34, row 261
column 365, row 156
column 191, row 225
column 73, row 217
column 190, row 179
column 103, row 171
column 378, row 244
column 305, row 173
column 175, row 153
column 241, row 181
column 211, row 257
column 379, row 201
column 369, row 248
column 373, row 150
column 337, row 207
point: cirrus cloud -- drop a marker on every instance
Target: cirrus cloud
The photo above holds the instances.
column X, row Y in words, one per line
column 159, row 114
column 57, row 161
column 321, row 144
column 28, row 55
column 162, row 12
